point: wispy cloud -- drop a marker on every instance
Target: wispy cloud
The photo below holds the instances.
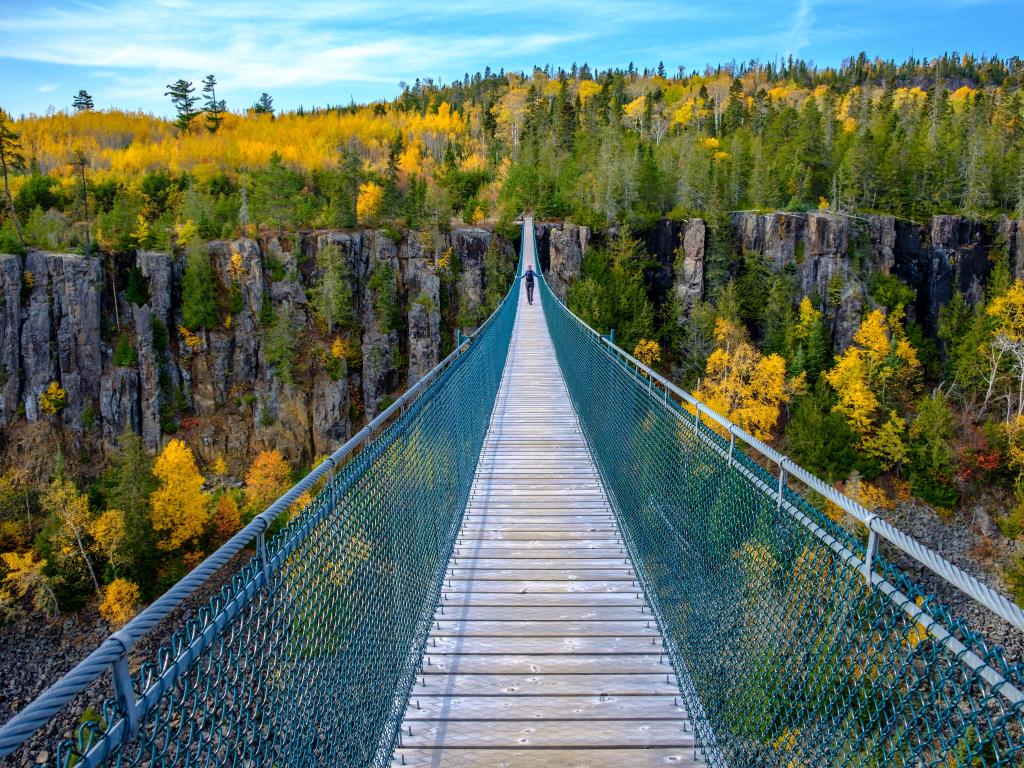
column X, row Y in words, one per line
column 259, row 47
column 800, row 32
column 124, row 51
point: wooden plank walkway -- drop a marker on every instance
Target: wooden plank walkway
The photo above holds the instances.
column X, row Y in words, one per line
column 544, row 652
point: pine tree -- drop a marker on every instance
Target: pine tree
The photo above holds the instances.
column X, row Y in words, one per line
column 264, row 105
column 129, row 481
column 82, row 101
column 11, row 159
column 332, row 294
column 198, row 289
column 214, row 107
column 181, row 93
column 79, row 162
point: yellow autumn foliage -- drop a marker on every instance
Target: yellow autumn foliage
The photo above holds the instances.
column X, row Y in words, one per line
column 179, row 507
column 268, row 477
column 742, row 384
column 53, row 400
column 369, row 202
column 120, row 602
column 647, row 352
column 586, row 89
column 881, row 365
column 1007, row 311
column 25, row 575
column 869, row 496
column 108, row 530
column 127, row 144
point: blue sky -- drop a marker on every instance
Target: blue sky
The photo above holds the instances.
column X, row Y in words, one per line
column 125, row 51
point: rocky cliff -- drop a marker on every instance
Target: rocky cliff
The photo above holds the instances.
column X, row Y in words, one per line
column 831, row 257
column 66, row 319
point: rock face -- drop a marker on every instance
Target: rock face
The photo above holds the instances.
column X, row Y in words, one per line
column 816, row 247
column 60, row 335
column 423, row 289
column 10, row 337
column 831, row 256
column 219, row 388
column 562, row 260
column 1011, row 231
column 951, row 254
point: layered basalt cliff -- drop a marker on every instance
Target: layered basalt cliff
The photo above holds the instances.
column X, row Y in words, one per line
column 832, row 257
column 63, row 317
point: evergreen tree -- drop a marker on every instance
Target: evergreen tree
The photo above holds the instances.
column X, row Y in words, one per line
column 214, row 107
column 198, row 289
column 79, row 162
column 610, row 293
column 332, row 294
column 932, row 460
column 11, row 159
column 128, row 483
column 181, row 93
column 264, row 105
column 82, row 101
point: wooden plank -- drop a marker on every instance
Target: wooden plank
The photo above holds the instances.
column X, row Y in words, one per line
column 595, row 707
column 543, row 652
column 548, row 664
column 598, row 646
column 542, row 613
column 480, row 598
column 545, row 685
column 624, row 573
column 541, row 586
column 470, row 628
column 534, row 563
column 583, row 540
column 681, row 757
column 549, row 734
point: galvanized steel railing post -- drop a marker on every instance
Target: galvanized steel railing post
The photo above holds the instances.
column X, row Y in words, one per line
column 124, row 690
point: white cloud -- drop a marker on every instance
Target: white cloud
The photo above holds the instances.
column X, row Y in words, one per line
column 47, row 88
column 800, row 31
column 255, row 46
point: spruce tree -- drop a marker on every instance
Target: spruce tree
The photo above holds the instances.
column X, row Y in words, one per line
column 181, row 93
column 82, row 101
column 198, row 289
column 264, row 105
column 332, row 294
column 214, row 107
column 11, row 159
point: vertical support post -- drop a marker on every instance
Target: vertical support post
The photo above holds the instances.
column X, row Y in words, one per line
column 611, row 335
column 261, row 553
column 871, row 550
column 782, row 484
column 458, row 338
column 124, row 691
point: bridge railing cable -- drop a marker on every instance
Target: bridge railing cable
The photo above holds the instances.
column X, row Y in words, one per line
column 306, row 656
column 796, row 637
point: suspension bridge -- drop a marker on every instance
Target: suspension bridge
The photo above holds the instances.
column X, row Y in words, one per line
column 544, row 553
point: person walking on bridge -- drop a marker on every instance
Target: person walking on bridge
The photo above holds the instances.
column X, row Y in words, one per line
column 528, row 276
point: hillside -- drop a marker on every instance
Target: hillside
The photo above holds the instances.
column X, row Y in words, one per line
column 831, row 257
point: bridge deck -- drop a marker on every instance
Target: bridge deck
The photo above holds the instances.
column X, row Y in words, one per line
column 544, row 652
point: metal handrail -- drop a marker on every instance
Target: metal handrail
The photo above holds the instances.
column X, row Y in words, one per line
column 112, row 653
column 878, row 529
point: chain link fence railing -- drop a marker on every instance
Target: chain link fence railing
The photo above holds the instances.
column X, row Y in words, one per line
column 307, row 656
column 796, row 642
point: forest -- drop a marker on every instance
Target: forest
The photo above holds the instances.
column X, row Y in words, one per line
column 899, row 413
